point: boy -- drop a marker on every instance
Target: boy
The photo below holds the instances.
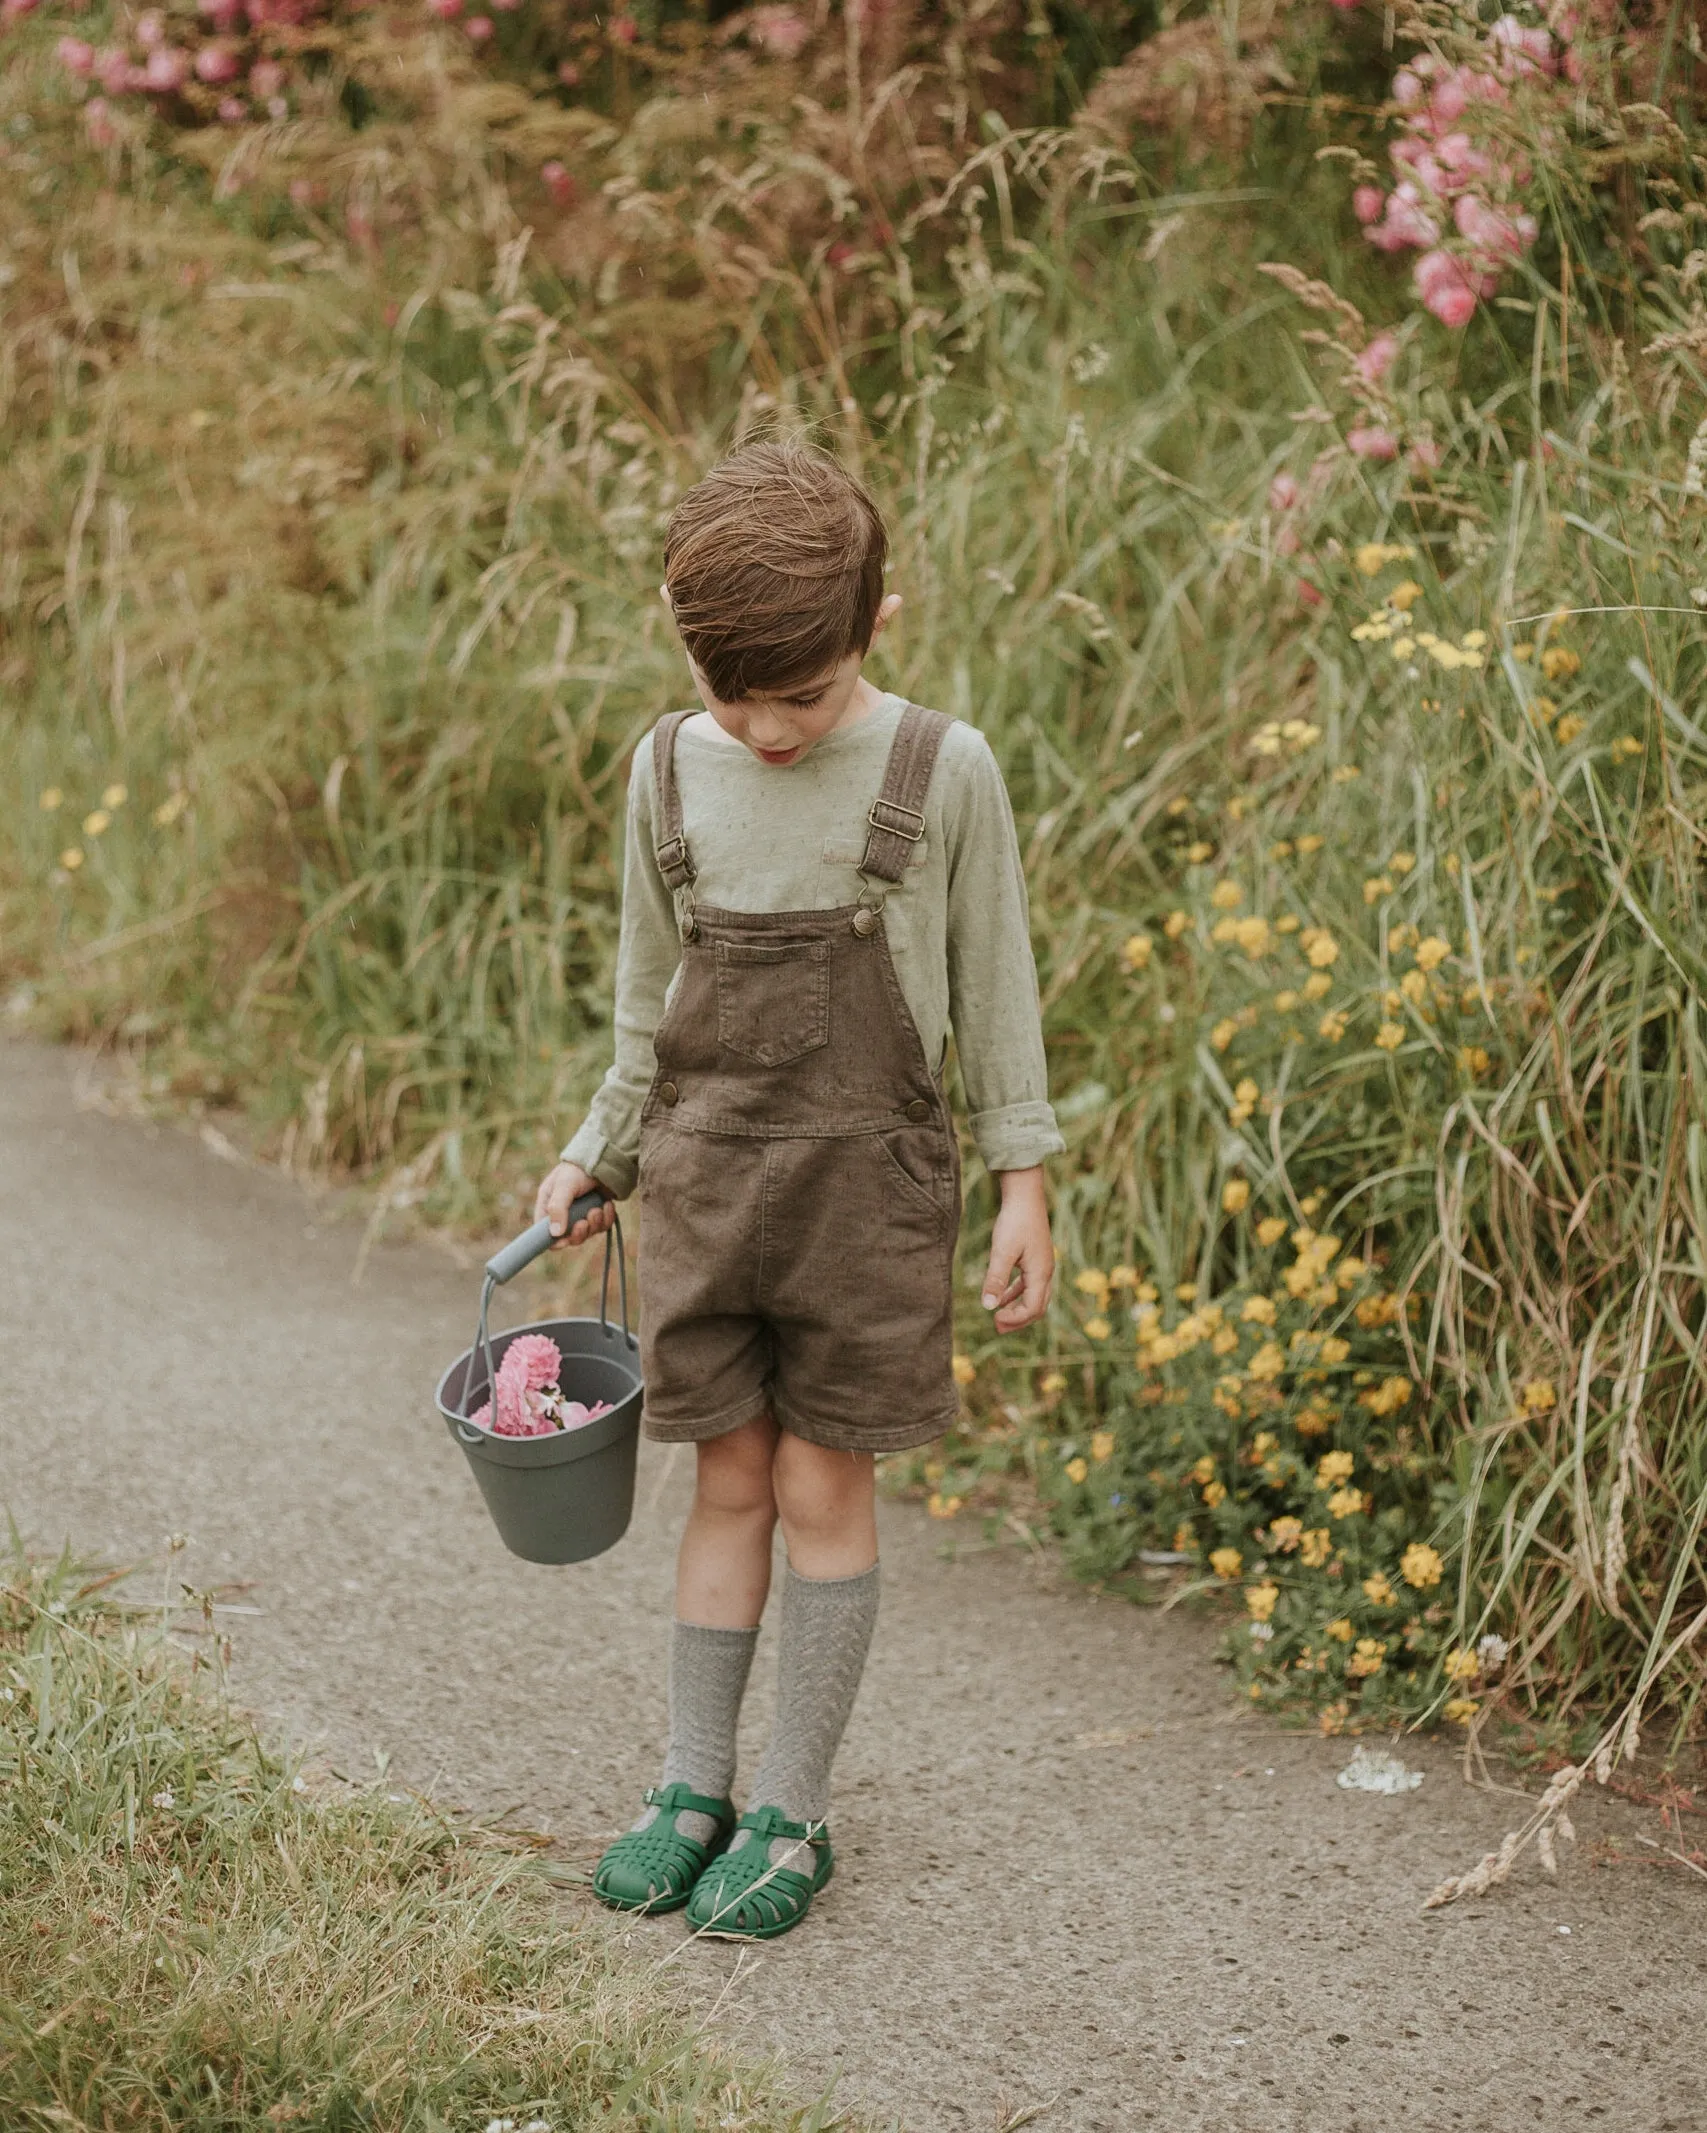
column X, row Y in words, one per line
column 820, row 880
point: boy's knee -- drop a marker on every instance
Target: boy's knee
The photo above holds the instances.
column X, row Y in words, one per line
column 819, row 1490
column 735, row 1472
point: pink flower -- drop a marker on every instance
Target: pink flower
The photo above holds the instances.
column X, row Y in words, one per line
column 112, row 70
column 1447, row 287
column 506, row 7
column 558, row 183
column 1373, row 443
column 780, row 31
column 1406, row 222
column 1308, row 594
column 568, row 73
column 98, row 118
column 222, row 13
column 532, row 1363
column 1523, row 51
column 1407, row 86
column 446, row 10
column 623, row 29
column 75, row 55
column 1377, row 359
column 167, row 70
column 305, row 193
column 266, row 78
column 12, row 9
column 1494, row 235
column 232, row 111
column 151, row 29
column 1345, row 6
column 217, row 64
column 478, row 28
column 1367, row 203
column 1425, row 454
column 1283, row 493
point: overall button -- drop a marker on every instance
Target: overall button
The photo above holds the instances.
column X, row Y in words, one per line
column 865, row 922
column 668, row 1093
column 918, row 1111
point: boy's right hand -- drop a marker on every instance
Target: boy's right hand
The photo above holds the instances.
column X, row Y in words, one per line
column 558, row 1190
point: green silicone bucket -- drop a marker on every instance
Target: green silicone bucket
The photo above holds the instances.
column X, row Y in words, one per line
column 569, row 1496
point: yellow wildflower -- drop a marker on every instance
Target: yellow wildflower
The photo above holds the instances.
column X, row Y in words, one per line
column 1268, row 1362
column 1346, row 1503
column 1334, row 1350
column 1197, row 853
column 1136, row 951
column 1187, row 1292
column 1368, row 1659
column 1473, row 1059
column 1375, row 888
column 1123, row 1277
column 1387, row 1397
column 1146, row 1292
column 1401, row 862
column 1185, row 1541
column 1538, row 1396
column 170, row 809
column 1459, row 1710
column 1405, row 595
column 1226, row 1562
column 1309, row 844
column 1252, row 936
column 1175, row 924
column 1204, row 1470
column 1559, row 662
column 1260, row 1599
column 1568, row 728
column 1461, row 1665
column 1214, row 1492
column 1626, row 746
column 1282, row 850
column 1092, row 1281
column 1374, row 556
column 1390, row 1036
column 1102, row 1445
column 1223, row 1034
column 941, row 1506
column 1247, row 1091
column 115, row 796
column 1226, row 895
column 1334, row 1467
column 1318, row 985
column 1285, row 1002
column 1270, row 1230
column 1345, row 774
column 1376, row 1310
column 1420, row 1565
column 1054, row 1382
column 1284, row 1534
column 1341, row 1631
column 1320, row 948
column 965, row 1369
column 1235, row 1195
column 1076, row 1471
column 1432, row 952
column 1097, row 1329
column 1225, row 1341
column 52, row 800
column 1331, row 1026
column 1316, row 1546
column 96, row 821
column 1414, row 986
column 1523, row 653
column 1377, row 1591
column 71, row 858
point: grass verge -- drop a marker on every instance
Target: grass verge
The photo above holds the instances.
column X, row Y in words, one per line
column 192, row 1938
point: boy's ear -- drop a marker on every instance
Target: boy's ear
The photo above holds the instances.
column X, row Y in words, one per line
column 888, row 608
column 664, row 595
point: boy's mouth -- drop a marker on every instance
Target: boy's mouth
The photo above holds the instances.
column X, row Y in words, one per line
column 779, row 755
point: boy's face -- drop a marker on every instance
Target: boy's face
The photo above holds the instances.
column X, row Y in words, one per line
column 780, row 729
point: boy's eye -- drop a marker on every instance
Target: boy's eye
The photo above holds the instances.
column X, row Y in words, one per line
column 806, row 703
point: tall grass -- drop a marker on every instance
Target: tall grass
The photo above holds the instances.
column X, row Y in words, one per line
column 192, row 1937
column 356, row 551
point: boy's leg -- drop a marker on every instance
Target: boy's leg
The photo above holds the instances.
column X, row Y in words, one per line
column 827, row 1503
column 722, row 1577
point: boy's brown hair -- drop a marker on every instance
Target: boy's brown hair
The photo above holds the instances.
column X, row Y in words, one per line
column 774, row 564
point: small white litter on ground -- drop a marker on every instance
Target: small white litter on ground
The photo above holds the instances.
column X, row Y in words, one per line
column 1374, row 1770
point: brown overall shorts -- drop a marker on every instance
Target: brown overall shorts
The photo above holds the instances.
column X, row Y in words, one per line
column 798, row 1169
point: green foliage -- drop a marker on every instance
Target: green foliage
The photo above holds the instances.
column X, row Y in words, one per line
column 191, row 1937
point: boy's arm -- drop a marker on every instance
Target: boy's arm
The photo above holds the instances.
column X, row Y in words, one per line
column 998, row 1032
column 606, row 1146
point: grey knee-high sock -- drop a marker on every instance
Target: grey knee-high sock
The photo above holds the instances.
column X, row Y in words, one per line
column 826, row 1633
column 708, row 1677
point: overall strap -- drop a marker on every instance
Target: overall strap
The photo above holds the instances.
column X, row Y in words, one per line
column 897, row 815
column 675, row 863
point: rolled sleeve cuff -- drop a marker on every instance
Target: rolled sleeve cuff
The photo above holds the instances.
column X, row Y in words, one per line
column 616, row 1172
column 1017, row 1137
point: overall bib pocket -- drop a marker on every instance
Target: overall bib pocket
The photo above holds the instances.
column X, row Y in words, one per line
column 773, row 999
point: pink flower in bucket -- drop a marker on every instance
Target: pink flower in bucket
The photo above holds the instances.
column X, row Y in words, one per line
column 529, row 1401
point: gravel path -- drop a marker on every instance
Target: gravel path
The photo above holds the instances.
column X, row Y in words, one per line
column 1074, row 1872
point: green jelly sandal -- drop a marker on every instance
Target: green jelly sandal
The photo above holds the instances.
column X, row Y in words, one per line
column 655, row 1868
column 744, row 1895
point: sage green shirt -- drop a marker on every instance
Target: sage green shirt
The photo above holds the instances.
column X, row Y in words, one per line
column 791, row 839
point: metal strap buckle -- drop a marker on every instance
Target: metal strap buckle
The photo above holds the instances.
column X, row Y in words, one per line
column 897, row 829
column 672, row 857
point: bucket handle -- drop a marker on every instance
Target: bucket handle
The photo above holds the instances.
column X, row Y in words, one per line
column 522, row 1251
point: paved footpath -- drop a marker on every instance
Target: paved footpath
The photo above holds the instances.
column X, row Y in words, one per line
column 1073, row 1871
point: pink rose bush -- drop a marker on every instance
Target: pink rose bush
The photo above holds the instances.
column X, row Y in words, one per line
column 1459, row 195
column 529, row 1401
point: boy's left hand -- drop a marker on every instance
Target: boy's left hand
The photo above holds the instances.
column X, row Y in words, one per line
column 1022, row 1256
